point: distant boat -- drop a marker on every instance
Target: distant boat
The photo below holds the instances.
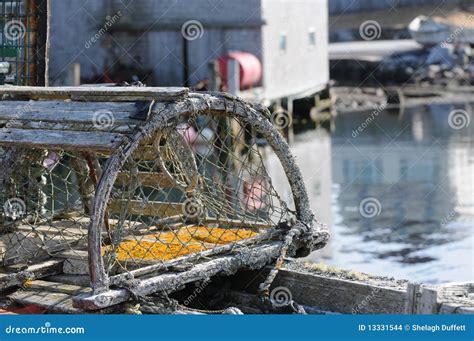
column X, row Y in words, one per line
column 455, row 28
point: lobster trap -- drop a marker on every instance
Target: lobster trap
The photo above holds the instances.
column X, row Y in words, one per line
column 141, row 190
column 23, row 41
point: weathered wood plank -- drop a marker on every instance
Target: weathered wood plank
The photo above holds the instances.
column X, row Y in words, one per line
column 428, row 302
column 36, row 242
column 76, row 267
column 65, row 116
column 75, row 262
column 65, row 105
column 89, row 93
column 456, row 298
column 413, row 290
column 340, row 295
column 60, row 140
column 21, row 247
column 40, row 285
column 77, row 280
column 152, row 208
column 52, row 301
column 72, row 254
column 37, row 125
column 456, row 289
column 48, row 268
column 456, row 308
column 147, row 179
column 237, row 223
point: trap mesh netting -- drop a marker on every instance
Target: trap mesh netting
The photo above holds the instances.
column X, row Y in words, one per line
column 122, row 196
column 23, row 30
column 194, row 186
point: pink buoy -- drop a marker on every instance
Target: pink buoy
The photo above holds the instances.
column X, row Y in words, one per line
column 250, row 68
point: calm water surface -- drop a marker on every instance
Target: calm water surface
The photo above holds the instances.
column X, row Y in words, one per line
column 398, row 194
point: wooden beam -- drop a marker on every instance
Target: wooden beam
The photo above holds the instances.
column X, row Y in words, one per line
column 413, row 291
column 341, row 295
column 60, row 140
column 94, row 93
column 238, row 223
column 152, row 208
column 58, row 114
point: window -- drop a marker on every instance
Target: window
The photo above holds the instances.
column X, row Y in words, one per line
column 283, row 41
column 312, row 37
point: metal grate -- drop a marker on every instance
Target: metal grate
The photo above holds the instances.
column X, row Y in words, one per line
column 23, row 25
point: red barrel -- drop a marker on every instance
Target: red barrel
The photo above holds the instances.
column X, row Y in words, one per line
column 250, row 68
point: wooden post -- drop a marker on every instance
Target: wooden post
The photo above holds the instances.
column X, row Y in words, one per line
column 428, row 303
column 74, row 75
column 413, row 292
column 233, row 77
column 185, row 57
column 290, row 131
column 214, row 76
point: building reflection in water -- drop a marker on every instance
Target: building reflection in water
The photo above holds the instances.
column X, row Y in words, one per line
column 418, row 174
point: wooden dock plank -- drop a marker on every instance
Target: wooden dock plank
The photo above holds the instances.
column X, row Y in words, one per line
column 340, row 295
column 53, row 301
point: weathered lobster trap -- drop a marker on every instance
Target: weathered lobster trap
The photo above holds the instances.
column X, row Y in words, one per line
column 142, row 190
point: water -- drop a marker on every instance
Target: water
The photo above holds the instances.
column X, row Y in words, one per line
column 398, row 194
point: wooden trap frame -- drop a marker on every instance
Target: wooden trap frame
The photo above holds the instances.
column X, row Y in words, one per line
column 140, row 190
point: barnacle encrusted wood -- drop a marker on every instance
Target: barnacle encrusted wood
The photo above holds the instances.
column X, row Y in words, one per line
column 148, row 181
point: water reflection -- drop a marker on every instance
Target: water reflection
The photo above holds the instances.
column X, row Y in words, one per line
column 417, row 171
